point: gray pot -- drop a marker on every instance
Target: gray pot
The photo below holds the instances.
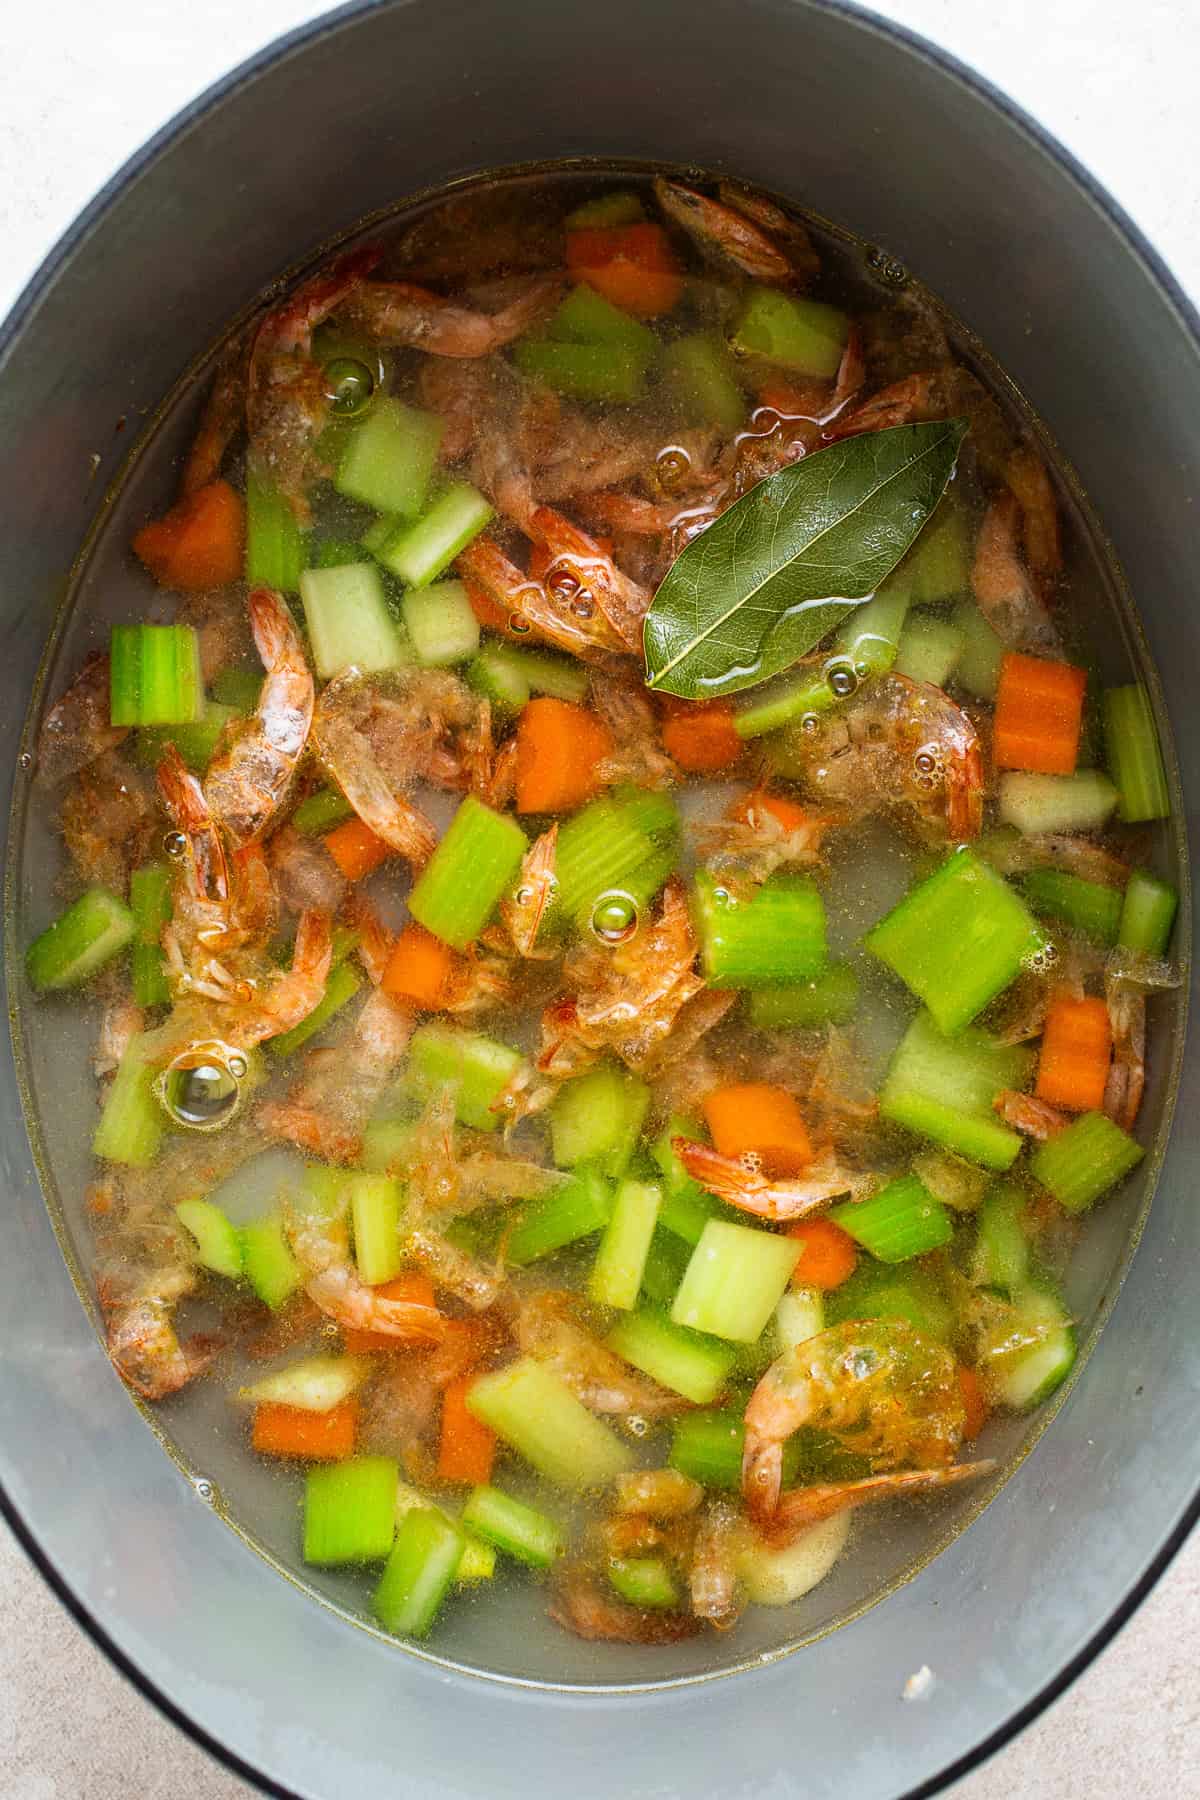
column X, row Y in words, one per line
column 889, row 138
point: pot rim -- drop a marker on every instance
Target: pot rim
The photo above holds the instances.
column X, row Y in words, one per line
column 39, row 284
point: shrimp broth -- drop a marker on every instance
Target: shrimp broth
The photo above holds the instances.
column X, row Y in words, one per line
column 681, row 1217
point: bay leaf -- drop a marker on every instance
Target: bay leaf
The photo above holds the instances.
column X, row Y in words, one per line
column 784, row 564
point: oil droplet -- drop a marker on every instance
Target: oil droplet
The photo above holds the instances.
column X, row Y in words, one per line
column 206, row 1489
column 562, row 581
column 175, row 843
column 524, row 896
column 238, row 1067
column 752, row 1162
column 636, row 1426
column 810, row 723
column 518, row 625
column 888, row 268
column 199, row 1090
column 615, row 917
column 350, row 385
column 25, row 760
column 584, row 607
column 1040, row 962
column 926, row 762
column 842, row 680
column 673, row 465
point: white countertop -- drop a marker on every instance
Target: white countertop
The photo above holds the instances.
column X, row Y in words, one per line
column 84, row 86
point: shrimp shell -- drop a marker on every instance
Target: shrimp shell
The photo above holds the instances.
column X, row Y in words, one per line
column 750, row 1190
column 399, row 312
column 725, row 231
column 248, row 782
column 75, row 730
column 801, row 1508
column 877, row 1385
column 584, row 1605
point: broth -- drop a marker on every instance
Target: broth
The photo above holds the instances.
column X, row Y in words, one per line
column 543, row 1170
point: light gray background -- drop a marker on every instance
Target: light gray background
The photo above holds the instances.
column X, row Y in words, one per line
column 83, row 86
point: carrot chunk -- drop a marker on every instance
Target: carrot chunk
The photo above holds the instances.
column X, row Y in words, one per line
column 828, row 1255
column 973, row 1400
column 199, row 544
column 356, row 849
column 633, row 266
column 754, row 1118
column 420, row 968
column 1039, row 715
column 789, row 814
column 1075, row 1053
column 467, row 1447
column 415, row 1287
column 559, row 748
column 699, row 736
column 281, row 1430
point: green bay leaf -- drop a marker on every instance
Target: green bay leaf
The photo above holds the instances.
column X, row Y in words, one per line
column 785, row 564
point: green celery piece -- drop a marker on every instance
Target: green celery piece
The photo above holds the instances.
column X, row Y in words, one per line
column 155, row 675
column 799, row 1316
column 472, row 868
column 1088, row 906
column 336, row 552
column 903, row 1220
column 320, row 812
column 929, row 649
column 957, row 939
column 537, row 1415
column 708, row 1447
column 150, row 904
column 770, row 936
column 586, row 317
column 131, row 1121
column 780, row 706
column 1036, row 804
column 602, row 372
column 1042, row 1354
column 389, row 459
column 617, row 208
column 871, row 636
column 238, row 688
column 597, row 1118
column 938, row 567
column 275, row 548
column 686, row 1362
column 547, row 673
column 496, row 676
column 1134, row 755
column 803, row 335
column 343, row 983
column 875, row 1291
column 349, row 623
column 1084, row 1161
column 421, row 1569
column 512, row 1526
column 93, row 930
column 609, row 846
column 978, row 666
column 218, row 1245
column 478, row 1067
column 1001, row 1255
column 196, row 743
column 1147, row 914
column 830, row 999
column 386, row 1146
column 350, row 1511
column 734, row 1281
column 700, row 377
column 666, row 1265
column 943, row 1087
column 268, row 1263
column 375, row 1214
column 442, row 628
column 578, row 1209
column 418, row 553
column 616, row 1278
column 645, row 1581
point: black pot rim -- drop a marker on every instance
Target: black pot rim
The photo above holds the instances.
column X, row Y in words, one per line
column 40, row 282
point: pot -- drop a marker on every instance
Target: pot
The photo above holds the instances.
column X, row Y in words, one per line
column 890, row 139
